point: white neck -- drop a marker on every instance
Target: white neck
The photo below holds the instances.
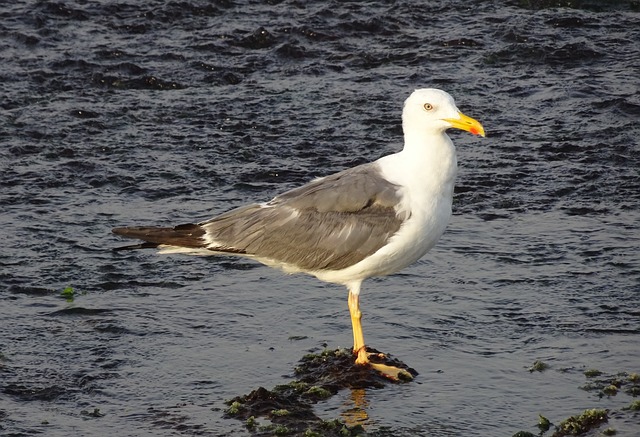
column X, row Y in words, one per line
column 426, row 168
column 426, row 159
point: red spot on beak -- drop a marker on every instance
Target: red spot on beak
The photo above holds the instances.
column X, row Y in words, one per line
column 474, row 131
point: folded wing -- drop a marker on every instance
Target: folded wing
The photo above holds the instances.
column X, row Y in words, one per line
column 328, row 224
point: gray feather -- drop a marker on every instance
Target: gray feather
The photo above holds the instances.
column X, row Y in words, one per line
column 328, row 224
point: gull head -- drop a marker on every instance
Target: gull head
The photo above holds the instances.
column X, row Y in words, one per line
column 432, row 111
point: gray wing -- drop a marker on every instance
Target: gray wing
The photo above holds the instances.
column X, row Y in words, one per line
column 328, row 224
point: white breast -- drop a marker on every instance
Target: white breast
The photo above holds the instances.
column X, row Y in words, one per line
column 427, row 193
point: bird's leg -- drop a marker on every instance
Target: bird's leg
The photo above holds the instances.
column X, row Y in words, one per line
column 358, row 337
column 359, row 349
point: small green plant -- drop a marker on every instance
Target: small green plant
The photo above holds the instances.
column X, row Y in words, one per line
column 581, row 424
column 280, row 412
column 281, row 430
column 592, row 373
column 610, row 390
column 543, row 423
column 235, row 408
column 538, row 366
column 318, row 392
column 69, row 293
column 634, row 406
column 251, row 423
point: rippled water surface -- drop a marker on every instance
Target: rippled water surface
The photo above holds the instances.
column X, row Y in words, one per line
column 131, row 112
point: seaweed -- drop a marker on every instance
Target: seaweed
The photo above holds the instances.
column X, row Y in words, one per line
column 289, row 407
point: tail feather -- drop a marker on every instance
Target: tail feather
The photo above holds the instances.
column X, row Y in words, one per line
column 189, row 235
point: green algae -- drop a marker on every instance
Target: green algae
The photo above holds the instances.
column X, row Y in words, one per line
column 592, row 373
column 582, row 423
column 281, row 412
column 604, row 385
column 538, row 366
column 611, row 384
column 289, row 407
column 543, row 423
column 634, row 406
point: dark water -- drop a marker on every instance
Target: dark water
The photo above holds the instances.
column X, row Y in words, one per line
column 119, row 113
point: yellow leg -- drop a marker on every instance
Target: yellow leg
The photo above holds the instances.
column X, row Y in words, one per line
column 359, row 349
column 358, row 337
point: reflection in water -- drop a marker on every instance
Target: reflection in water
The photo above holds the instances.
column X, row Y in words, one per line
column 356, row 408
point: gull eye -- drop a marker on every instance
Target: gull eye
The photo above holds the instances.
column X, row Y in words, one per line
column 428, row 106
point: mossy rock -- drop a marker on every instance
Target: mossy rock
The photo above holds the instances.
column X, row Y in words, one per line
column 289, row 407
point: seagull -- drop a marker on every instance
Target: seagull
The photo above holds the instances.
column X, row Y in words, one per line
column 371, row 220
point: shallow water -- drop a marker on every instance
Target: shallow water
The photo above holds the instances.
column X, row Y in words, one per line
column 161, row 113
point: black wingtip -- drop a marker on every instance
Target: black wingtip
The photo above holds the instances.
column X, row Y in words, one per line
column 188, row 235
column 120, row 231
column 135, row 247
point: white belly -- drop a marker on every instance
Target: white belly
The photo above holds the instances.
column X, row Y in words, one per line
column 415, row 238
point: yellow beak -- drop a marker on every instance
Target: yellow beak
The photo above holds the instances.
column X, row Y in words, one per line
column 466, row 123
